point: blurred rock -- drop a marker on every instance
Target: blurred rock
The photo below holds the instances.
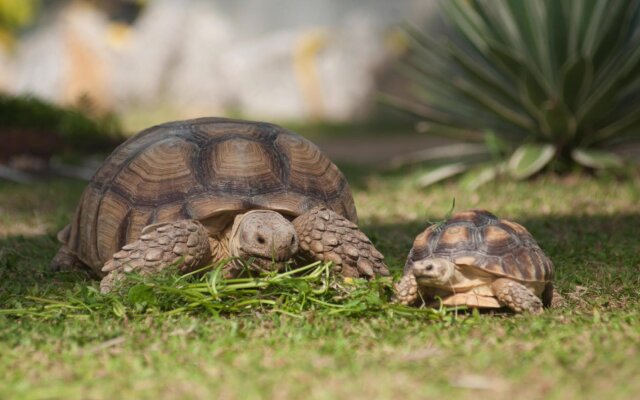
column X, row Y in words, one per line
column 145, row 63
column 197, row 78
column 37, row 66
column 281, row 60
column 66, row 59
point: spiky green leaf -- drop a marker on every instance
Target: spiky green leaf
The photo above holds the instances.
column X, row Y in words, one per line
column 529, row 159
column 559, row 73
column 575, row 80
column 477, row 177
column 442, row 173
column 596, row 159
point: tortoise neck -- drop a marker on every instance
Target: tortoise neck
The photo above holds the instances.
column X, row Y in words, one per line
column 224, row 246
column 220, row 245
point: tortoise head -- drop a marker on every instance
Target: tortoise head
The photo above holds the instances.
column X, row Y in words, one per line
column 436, row 272
column 265, row 236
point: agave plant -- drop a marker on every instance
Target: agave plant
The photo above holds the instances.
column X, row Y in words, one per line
column 539, row 83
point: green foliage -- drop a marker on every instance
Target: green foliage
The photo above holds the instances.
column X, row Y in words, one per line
column 295, row 292
column 78, row 128
column 556, row 82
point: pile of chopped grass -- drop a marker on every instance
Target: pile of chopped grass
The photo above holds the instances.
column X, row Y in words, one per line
column 294, row 292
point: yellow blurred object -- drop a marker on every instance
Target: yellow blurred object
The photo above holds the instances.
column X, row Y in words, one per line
column 305, row 56
column 7, row 40
column 348, row 281
column 15, row 14
column 85, row 76
column 397, row 42
column 118, row 34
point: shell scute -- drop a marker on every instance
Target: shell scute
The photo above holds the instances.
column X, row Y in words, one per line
column 455, row 238
column 244, row 167
column 159, row 173
column 311, row 172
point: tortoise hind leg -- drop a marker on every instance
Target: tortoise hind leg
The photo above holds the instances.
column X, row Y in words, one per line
column 327, row 236
column 516, row 296
column 66, row 261
column 551, row 298
column 184, row 244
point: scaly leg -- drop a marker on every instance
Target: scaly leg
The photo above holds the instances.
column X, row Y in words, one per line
column 516, row 296
column 161, row 245
column 327, row 236
column 406, row 290
column 66, row 261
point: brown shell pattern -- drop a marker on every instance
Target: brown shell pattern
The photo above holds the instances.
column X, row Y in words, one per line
column 479, row 239
column 199, row 169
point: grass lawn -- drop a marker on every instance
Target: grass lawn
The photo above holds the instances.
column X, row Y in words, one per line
column 589, row 348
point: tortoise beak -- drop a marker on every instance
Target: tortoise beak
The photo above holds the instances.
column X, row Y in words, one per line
column 266, row 235
column 433, row 271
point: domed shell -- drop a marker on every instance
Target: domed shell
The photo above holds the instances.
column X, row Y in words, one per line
column 479, row 239
column 209, row 169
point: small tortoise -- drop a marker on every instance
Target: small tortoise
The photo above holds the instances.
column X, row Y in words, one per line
column 477, row 260
column 199, row 191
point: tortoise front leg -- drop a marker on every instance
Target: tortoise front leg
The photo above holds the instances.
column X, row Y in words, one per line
column 516, row 296
column 182, row 243
column 406, row 290
column 327, row 236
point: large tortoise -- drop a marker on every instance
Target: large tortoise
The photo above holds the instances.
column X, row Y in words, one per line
column 190, row 193
column 475, row 259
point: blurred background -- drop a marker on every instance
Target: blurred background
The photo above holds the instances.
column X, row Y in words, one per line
column 487, row 88
column 130, row 64
column 280, row 60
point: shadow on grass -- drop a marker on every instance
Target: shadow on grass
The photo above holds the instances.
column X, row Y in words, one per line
column 24, row 268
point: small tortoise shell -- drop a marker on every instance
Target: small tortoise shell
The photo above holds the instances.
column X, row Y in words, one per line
column 479, row 239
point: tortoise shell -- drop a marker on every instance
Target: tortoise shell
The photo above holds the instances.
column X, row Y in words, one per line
column 209, row 169
column 478, row 239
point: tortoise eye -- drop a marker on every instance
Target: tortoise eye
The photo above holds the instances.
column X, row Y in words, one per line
column 260, row 239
